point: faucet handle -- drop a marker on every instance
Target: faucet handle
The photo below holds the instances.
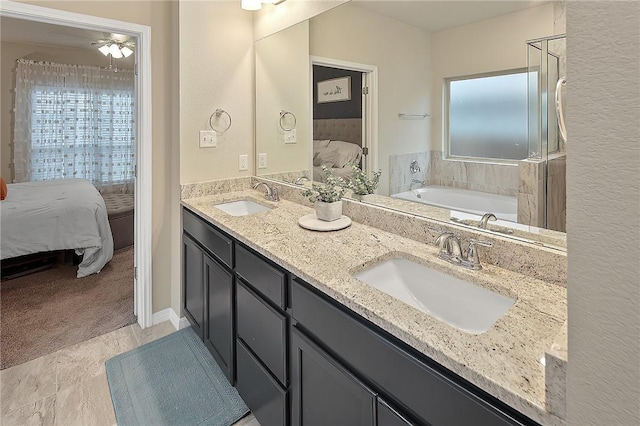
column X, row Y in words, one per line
column 274, row 194
column 472, row 253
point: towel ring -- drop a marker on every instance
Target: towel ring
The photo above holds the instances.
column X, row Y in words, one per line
column 283, row 114
column 218, row 113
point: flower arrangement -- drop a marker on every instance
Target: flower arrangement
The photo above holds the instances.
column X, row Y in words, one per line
column 360, row 183
column 330, row 191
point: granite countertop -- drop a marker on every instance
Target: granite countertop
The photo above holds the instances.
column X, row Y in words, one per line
column 505, row 361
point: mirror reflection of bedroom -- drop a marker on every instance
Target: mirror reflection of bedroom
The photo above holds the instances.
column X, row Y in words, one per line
column 68, row 167
column 338, row 137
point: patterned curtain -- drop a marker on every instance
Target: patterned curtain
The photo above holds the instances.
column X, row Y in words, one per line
column 74, row 121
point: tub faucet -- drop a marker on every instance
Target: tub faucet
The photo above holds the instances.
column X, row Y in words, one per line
column 271, row 193
column 300, row 179
column 421, row 182
column 486, row 218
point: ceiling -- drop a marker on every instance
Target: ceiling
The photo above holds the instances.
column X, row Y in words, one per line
column 31, row 32
column 434, row 16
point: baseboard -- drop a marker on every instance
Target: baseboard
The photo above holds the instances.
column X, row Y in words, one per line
column 169, row 315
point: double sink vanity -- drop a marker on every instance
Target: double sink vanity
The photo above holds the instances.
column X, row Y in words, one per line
column 362, row 326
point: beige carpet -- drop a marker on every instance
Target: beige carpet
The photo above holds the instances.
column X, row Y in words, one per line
column 52, row 309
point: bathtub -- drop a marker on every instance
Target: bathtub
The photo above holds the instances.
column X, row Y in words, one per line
column 464, row 200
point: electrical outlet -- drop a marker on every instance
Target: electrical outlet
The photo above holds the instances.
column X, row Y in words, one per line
column 208, row 139
column 243, row 162
column 290, row 136
column 262, row 160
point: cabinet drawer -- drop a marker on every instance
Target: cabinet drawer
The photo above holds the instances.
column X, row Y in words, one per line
column 267, row 279
column 262, row 394
column 218, row 244
column 263, row 329
column 430, row 394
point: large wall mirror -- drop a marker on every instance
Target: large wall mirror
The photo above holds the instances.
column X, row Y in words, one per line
column 453, row 101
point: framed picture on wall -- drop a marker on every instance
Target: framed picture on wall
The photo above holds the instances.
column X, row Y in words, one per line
column 334, row 90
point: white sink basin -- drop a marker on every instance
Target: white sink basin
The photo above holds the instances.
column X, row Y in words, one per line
column 241, row 207
column 461, row 304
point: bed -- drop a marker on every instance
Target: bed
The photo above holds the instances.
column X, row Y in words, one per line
column 57, row 215
column 336, row 144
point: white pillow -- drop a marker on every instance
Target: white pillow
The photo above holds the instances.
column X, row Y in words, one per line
column 347, row 153
column 318, row 144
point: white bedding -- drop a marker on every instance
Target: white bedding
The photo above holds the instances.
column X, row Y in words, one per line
column 57, row 215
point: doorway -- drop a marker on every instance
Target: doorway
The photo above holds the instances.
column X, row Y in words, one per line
column 143, row 184
column 367, row 90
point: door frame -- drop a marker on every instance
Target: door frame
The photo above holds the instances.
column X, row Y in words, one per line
column 143, row 185
column 370, row 103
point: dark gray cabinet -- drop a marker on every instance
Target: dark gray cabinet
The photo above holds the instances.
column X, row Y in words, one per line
column 263, row 329
column 260, row 391
column 208, row 298
column 388, row 416
column 219, row 337
column 322, row 391
column 299, row 357
column 193, row 288
column 262, row 337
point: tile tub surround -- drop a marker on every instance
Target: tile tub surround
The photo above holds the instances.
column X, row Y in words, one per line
column 494, row 178
column 504, row 361
column 400, row 176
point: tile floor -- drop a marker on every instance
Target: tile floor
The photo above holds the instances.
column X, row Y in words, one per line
column 69, row 387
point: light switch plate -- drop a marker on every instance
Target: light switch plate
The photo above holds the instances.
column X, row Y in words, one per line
column 290, row 136
column 208, row 139
column 243, row 162
column 262, row 160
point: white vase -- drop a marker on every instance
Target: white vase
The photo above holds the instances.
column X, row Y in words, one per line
column 363, row 197
column 329, row 211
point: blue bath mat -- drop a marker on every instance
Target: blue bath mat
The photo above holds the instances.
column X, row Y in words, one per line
column 172, row 381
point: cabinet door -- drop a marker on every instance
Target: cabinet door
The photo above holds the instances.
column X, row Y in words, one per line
column 324, row 392
column 193, row 285
column 219, row 330
column 387, row 416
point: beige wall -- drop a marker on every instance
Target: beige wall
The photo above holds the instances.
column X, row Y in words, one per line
column 489, row 45
column 216, row 71
column 9, row 53
column 401, row 52
column 273, row 18
column 165, row 201
column 282, row 83
column 603, row 227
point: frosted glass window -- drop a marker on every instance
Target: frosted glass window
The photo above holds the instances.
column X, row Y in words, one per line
column 488, row 117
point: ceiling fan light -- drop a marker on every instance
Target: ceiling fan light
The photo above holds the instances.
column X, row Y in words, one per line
column 115, row 51
column 126, row 51
column 104, row 49
column 251, row 4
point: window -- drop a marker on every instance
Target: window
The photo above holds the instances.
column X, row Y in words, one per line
column 82, row 133
column 486, row 116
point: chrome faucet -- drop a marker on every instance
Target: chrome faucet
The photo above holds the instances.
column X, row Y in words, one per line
column 271, row 193
column 421, row 182
column 451, row 251
column 300, row 179
column 449, row 245
column 486, row 218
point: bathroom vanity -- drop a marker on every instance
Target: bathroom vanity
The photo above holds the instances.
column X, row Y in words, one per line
column 305, row 342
